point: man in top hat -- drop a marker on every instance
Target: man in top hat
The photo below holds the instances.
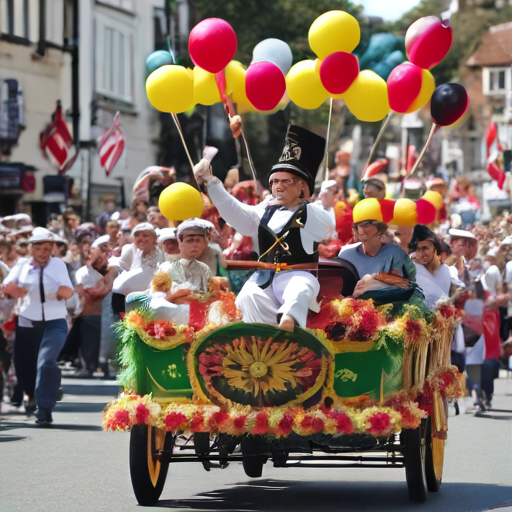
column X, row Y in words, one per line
column 432, row 276
column 289, row 229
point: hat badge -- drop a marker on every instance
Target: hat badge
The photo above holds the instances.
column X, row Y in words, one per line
column 291, row 151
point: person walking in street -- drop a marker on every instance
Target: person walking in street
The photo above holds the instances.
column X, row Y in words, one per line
column 42, row 284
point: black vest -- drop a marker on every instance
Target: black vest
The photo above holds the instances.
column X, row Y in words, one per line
column 289, row 250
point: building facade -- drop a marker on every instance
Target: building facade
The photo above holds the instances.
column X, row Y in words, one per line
column 89, row 55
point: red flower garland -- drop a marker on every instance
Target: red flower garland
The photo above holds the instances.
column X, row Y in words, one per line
column 174, row 420
column 379, row 424
column 261, row 424
column 122, row 419
column 141, row 414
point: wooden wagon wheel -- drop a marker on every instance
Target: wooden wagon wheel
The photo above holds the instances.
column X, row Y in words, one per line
column 148, row 469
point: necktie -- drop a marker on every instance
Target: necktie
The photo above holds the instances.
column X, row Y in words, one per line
column 41, row 290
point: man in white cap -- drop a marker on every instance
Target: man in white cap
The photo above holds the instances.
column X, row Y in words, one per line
column 464, row 246
column 42, row 285
column 187, row 272
column 169, row 242
column 137, row 264
column 327, row 198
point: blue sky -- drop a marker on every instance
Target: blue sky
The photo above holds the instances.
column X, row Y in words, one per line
column 388, row 9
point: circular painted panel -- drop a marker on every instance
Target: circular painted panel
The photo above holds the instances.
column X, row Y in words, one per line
column 260, row 365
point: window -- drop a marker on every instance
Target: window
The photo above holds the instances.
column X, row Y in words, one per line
column 497, row 80
column 114, row 57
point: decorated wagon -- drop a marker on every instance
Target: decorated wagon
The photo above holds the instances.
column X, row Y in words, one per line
column 366, row 384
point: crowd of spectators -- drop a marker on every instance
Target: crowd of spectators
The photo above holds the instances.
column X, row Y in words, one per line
column 100, row 264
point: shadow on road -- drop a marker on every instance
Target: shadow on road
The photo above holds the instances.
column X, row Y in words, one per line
column 75, row 407
column 283, row 495
column 6, row 438
column 91, row 389
column 55, row 426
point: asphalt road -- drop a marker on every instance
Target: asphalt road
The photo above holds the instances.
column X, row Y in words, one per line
column 75, row 466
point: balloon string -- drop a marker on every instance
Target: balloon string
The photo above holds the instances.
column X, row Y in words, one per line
column 178, row 126
column 433, row 130
column 246, row 145
column 251, row 163
column 326, row 154
column 377, row 139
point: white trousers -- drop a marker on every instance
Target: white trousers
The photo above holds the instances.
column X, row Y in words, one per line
column 291, row 293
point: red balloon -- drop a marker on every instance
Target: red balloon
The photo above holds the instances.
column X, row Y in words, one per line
column 404, row 85
column 426, row 212
column 338, row 71
column 427, row 41
column 448, row 104
column 265, row 85
column 387, row 207
column 212, row 44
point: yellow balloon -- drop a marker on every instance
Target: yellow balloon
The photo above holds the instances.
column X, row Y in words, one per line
column 206, row 91
column 428, row 86
column 304, row 85
column 367, row 209
column 367, row 97
column 170, row 89
column 404, row 213
column 334, row 31
column 180, row 201
column 434, row 198
column 235, row 80
column 235, row 85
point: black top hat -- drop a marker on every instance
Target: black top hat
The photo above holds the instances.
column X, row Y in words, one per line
column 302, row 155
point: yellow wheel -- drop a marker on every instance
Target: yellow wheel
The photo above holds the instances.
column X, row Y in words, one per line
column 148, row 468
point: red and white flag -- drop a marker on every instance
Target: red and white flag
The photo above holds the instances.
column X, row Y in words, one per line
column 111, row 146
column 57, row 143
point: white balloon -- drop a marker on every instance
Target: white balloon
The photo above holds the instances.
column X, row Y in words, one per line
column 275, row 51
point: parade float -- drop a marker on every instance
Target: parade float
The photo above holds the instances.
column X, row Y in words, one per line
column 367, row 382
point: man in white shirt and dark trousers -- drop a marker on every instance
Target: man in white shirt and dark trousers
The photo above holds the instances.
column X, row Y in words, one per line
column 42, row 286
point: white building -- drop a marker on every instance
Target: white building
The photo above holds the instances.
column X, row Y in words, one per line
column 37, row 44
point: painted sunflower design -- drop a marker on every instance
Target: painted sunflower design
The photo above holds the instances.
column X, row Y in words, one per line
column 258, row 371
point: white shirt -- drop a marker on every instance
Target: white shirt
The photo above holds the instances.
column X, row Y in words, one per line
column 508, row 273
column 246, row 219
column 26, row 275
column 87, row 276
column 138, row 269
column 187, row 274
column 491, row 280
column 433, row 286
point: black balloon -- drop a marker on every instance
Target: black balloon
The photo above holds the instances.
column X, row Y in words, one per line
column 448, row 104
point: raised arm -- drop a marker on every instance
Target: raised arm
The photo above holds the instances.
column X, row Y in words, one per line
column 244, row 218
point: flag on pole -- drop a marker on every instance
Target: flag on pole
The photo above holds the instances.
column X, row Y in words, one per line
column 57, row 143
column 111, row 146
